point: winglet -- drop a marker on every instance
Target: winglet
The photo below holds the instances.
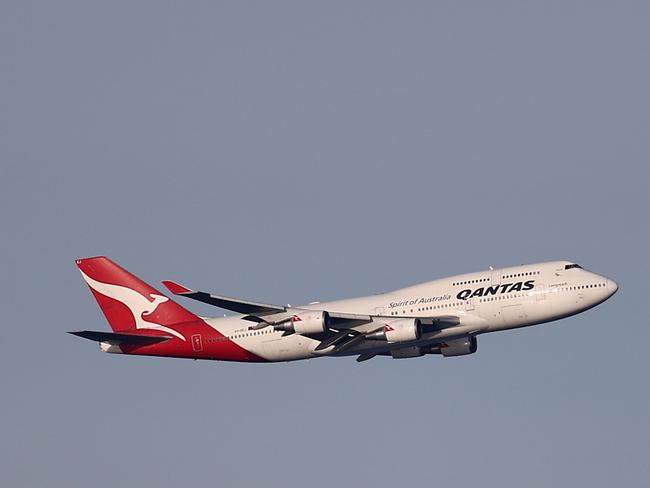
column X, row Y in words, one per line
column 176, row 288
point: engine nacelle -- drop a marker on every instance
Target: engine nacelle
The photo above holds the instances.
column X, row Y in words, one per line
column 407, row 352
column 400, row 330
column 459, row 347
column 307, row 322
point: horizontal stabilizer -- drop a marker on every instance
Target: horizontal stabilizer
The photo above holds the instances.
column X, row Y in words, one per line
column 120, row 338
column 234, row 304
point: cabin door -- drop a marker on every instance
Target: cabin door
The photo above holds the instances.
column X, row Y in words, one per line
column 495, row 277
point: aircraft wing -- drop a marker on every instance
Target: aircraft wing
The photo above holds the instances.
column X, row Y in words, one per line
column 342, row 338
column 261, row 312
column 234, row 304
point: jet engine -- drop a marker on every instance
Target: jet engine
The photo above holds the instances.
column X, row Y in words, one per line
column 459, row 347
column 400, row 330
column 407, row 352
column 306, row 323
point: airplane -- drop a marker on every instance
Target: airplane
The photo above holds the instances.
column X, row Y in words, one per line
column 443, row 316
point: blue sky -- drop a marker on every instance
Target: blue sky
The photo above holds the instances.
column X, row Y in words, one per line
column 291, row 152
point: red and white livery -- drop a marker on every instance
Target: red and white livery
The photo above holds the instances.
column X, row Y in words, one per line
column 444, row 316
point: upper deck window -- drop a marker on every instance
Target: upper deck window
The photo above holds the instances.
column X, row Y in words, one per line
column 569, row 266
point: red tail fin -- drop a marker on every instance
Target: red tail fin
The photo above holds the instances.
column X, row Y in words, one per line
column 127, row 301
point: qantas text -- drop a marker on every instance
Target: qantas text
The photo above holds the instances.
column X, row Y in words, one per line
column 493, row 290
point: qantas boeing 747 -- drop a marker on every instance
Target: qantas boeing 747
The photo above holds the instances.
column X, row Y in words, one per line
column 444, row 316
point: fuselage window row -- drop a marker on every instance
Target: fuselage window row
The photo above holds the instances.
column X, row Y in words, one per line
column 481, row 280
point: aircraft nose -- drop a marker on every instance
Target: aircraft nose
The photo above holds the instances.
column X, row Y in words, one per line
column 612, row 287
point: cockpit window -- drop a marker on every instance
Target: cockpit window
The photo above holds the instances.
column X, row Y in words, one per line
column 569, row 266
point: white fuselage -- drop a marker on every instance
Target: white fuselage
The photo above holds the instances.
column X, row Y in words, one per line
column 486, row 301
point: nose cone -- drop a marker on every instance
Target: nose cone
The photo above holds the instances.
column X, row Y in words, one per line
column 612, row 287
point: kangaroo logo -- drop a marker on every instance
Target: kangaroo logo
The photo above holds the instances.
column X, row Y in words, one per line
column 138, row 304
